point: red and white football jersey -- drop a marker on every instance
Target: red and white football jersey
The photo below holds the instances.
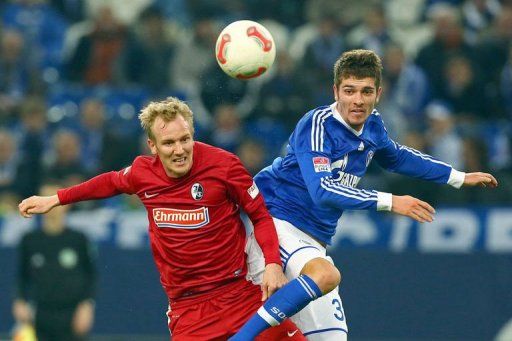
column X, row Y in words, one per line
column 196, row 234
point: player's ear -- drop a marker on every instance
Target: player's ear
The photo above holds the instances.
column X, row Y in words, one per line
column 152, row 146
column 335, row 91
column 379, row 92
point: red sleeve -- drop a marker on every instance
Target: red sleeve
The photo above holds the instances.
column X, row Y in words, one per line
column 102, row 186
column 242, row 187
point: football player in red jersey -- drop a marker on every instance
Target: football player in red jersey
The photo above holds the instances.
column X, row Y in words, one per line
column 193, row 193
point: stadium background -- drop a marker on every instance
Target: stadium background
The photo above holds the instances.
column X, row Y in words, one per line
column 74, row 74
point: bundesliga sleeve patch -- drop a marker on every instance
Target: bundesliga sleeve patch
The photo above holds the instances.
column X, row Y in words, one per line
column 253, row 190
column 321, row 164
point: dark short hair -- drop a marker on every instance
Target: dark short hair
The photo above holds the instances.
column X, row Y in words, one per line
column 358, row 64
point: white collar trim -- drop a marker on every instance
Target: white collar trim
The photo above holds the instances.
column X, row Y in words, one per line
column 337, row 116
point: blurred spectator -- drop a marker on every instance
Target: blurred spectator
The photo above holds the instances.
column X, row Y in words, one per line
column 56, row 279
column 149, row 52
column 92, row 130
column 43, row 29
column 348, row 12
column 194, row 56
column 232, row 10
column 492, row 55
column 443, row 141
column 96, row 57
column 373, row 33
column 287, row 12
column 475, row 154
column 64, row 162
column 506, row 83
column 252, row 153
column 477, row 15
column 101, row 148
column 448, row 40
column 218, row 88
column 285, row 95
column 464, row 90
column 406, row 91
column 72, row 10
column 320, row 55
column 9, row 163
column 126, row 11
column 14, row 73
column 33, row 140
column 228, row 131
column 175, row 10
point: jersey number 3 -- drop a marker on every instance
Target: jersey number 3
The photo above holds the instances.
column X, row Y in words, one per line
column 338, row 314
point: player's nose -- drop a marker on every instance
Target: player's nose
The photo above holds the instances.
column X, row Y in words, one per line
column 358, row 98
column 178, row 149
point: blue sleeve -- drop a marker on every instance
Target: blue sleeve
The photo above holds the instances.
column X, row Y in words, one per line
column 312, row 147
column 408, row 161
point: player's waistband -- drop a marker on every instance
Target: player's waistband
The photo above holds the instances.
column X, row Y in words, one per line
column 232, row 285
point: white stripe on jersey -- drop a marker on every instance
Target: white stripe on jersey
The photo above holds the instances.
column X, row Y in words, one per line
column 330, row 181
column 346, row 192
column 421, row 155
column 317, row 129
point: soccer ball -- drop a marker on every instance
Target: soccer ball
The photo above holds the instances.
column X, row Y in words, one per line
column 245, row 49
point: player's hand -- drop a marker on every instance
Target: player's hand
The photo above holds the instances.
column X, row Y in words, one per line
column 412, row 207
column 38, row 205
column 273, row 279
column 480, row 179
column 83, row 318
column 22, row 311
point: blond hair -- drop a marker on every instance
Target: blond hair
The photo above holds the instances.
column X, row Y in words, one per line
column 168, row 110
column 359, row 64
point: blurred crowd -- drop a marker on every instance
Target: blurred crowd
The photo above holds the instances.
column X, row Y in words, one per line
column 74, row 74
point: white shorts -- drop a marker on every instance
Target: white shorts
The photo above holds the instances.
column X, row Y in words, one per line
column 321, row 320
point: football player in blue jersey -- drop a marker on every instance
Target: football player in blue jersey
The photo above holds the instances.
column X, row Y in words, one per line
column 307, row 191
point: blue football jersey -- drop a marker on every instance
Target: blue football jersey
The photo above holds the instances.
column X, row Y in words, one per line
column 317, row 179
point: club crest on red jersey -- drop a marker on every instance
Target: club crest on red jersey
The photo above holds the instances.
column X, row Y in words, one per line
column 197, row 191
column 181, row 219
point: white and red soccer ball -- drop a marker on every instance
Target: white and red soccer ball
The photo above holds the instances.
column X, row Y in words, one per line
column 245, row 49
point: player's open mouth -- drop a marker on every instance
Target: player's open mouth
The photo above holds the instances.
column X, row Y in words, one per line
column 180, row 162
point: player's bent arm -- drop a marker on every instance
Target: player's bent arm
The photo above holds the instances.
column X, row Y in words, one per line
column 325, row 191
column 242, row 188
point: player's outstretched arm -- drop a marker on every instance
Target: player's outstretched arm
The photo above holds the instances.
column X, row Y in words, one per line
column 273, row 279
column 480, row 179
column 413, row 207
column 38, row 205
